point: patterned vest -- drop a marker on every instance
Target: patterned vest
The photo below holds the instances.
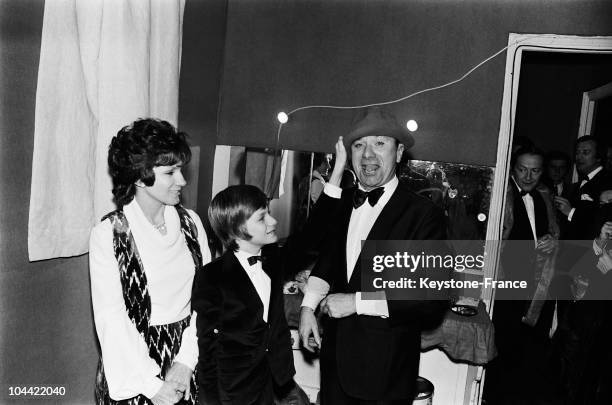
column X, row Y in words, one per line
column 133, row 278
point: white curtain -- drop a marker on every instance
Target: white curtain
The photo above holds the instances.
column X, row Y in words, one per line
column 103, row 64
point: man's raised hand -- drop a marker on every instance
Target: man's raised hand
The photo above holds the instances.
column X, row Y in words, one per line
column 340, row 163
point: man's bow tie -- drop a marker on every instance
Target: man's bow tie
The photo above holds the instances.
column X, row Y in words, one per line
column 582, row 178
column 253, row 259
column 372, row 196
column 524, row 193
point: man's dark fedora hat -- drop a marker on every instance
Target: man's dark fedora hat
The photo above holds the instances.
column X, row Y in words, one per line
column 376, row 121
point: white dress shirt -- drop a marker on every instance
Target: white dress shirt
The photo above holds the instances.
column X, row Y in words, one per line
column 169, row 268
column 360, row 224
column 259, row 278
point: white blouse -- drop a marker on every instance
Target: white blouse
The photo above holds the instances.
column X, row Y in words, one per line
column 169, row 268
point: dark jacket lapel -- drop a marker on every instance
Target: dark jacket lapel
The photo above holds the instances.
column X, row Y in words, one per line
column 521, row 229
column 345, row 211
column 237, row 278
column 389, row 215
column 594, row 186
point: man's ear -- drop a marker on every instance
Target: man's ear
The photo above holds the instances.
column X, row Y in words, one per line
column 139, row 183
column 400, row 151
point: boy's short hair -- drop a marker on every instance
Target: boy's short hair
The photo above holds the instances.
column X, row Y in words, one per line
column 229, row 211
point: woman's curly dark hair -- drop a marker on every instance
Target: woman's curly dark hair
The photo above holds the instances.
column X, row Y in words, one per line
column 137, row 148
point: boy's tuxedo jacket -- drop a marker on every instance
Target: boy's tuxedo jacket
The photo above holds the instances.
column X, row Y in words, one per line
column 238, row 350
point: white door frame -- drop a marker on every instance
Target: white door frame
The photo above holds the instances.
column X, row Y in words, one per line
column 517, row 44
column 588, row 110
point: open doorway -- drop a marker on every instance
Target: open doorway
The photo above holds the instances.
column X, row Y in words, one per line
column 563, row 96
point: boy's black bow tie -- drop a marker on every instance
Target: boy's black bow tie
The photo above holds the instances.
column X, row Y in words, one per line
column 253, row 259
column 372, row 196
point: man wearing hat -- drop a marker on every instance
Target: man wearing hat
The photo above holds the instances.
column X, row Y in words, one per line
column 371, row 348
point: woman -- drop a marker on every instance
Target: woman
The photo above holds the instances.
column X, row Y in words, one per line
column 143, row 258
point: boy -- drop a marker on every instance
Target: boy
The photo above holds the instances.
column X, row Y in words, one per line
column 243, row 337
column 244, row 341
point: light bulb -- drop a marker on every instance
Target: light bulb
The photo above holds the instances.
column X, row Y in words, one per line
column 482, row 217
column 282, row 117
column 412, row 125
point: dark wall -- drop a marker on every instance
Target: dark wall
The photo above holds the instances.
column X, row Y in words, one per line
column 285, row 54
column 204, row 27
column 46, row 332
column 550, row 96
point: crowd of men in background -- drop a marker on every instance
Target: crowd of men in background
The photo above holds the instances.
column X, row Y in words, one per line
column 553, row 338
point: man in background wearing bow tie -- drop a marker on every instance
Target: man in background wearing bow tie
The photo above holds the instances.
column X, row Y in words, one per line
column 578, row 209
column 371, row 348
column 583, row 195
column 523, row 319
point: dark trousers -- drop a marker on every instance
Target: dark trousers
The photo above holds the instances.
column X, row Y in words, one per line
column 268, row 393
column 266, row 397
column 523, row 371
column 584, row 353
column 332, row 393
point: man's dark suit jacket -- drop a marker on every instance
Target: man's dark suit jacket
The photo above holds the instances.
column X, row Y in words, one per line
column 581, row 225
column 238, row 350
column 519, row 256
column 518, row 261
column 378, row 358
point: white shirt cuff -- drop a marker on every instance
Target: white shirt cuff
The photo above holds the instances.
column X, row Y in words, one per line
column 604, row 264
column 372, row 307
column 571, row 214
column 316, row 289
column 332, row 191
column 596, row 249
column 151, row 387
column 188, row 353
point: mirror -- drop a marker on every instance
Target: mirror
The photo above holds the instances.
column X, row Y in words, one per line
column 462, row 191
